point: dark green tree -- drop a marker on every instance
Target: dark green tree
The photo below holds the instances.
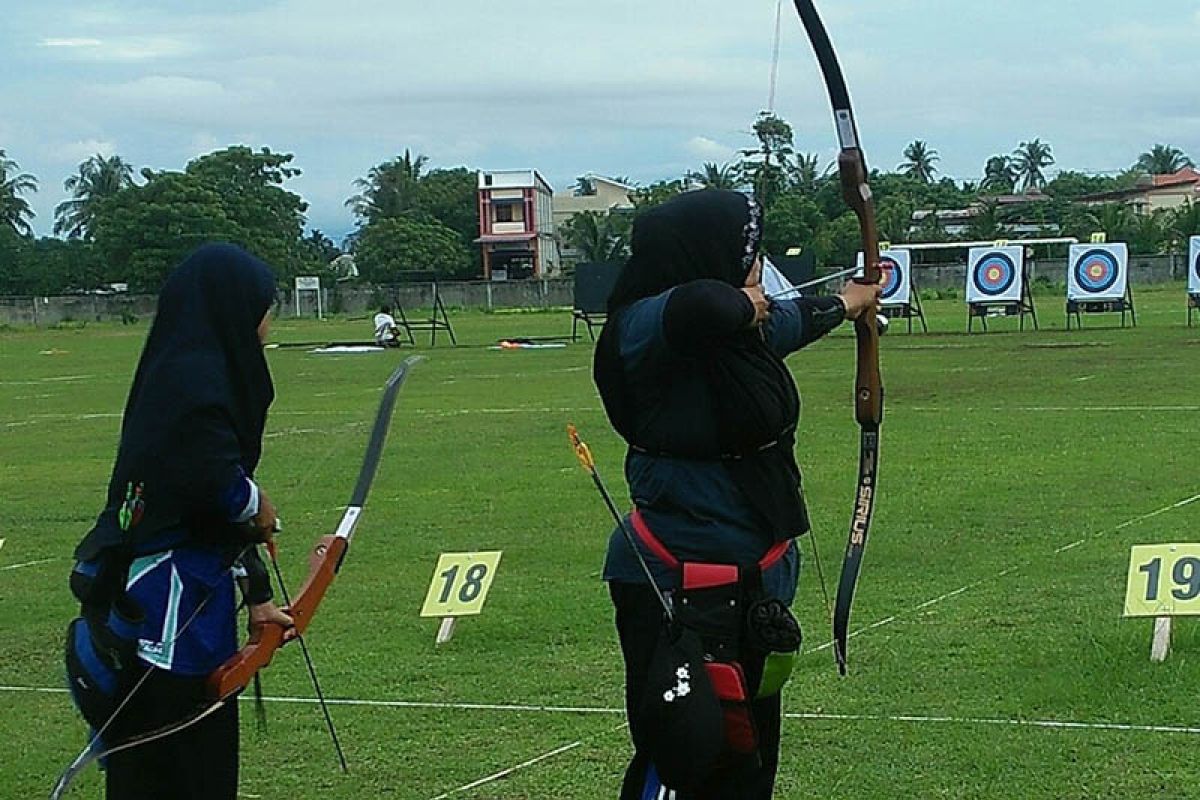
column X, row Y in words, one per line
column 142, row 232
column 269, row 219
column 656, row 193
column 770, row 167
column 919, row 161
column 793, row 220
column 1029, row 162
column 598, row 236
column 999, row 176
column 392, row 246
column 389, row 189
column 715, row 176
column 98, row 177
column 1163, row 159
column 15, row 212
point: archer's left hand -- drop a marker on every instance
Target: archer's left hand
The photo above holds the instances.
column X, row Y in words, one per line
column 270, row 614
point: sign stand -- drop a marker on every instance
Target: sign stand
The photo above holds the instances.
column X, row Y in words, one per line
column 446, row 630
column 1163, row 582
column 1160, row 645
column 309, row 283
column 459, row 587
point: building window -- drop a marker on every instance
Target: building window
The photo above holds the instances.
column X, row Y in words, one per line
column 510, row 212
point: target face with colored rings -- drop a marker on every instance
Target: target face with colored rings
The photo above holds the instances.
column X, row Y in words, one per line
column 994, row 274
column 1097, row 271
column 891, row 277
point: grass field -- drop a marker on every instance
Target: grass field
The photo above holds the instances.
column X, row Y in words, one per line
column 977, row 624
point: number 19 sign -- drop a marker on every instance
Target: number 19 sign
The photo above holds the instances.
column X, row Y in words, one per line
column 1164, row 580
column 460, row 584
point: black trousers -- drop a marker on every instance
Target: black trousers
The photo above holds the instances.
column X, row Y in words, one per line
column 639, row 620
column 197, row 763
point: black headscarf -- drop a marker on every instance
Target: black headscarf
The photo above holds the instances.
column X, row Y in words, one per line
column 198, row 404
column 714, row 235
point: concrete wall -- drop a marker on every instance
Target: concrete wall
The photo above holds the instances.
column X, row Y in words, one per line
column 553, row 293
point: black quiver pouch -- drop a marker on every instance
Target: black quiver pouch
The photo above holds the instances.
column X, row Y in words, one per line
column 101, row 643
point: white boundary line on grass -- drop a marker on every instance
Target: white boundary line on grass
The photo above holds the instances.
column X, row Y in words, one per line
column 1051, row 409
column 18, row 566
column 524, row 708
column 1013, row 568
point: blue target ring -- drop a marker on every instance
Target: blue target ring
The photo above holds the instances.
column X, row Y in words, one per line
column 1097, row 271
column 892, row 274
column 1196, row 266
column 994, row 274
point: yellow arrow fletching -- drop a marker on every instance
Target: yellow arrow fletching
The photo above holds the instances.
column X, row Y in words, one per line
column 581, row 450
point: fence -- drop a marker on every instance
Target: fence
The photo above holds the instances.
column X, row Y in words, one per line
column 554, row 293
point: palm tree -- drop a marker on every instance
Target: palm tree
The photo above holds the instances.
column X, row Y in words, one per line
column 712, row 176
column 597, row 237
column 919, row 161
column 808, row 172
column 584, row 187
column 98, row 178
column 1028, row 161
column 999, row 176
column 1163, row 159
column 14, row 209
column 389, row 190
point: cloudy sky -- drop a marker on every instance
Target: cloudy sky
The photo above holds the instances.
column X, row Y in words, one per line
column 643, row 88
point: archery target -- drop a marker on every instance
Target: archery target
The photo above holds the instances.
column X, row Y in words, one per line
column 1194, row 264
column 995, row 274
column 1097, row 272
column 895, row 276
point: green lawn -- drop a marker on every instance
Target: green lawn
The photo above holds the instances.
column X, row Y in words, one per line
column 998, row 451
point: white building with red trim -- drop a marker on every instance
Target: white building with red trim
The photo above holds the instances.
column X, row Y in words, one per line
column 516, row 225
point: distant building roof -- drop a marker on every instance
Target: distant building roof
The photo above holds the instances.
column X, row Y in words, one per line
column 1185, row 177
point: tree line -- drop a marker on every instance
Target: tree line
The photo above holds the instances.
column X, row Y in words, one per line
column 122, row 225
column 803, row 204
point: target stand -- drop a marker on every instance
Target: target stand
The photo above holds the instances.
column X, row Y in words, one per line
column 898, row 296
column 1098, row 282
column 438, row 319
column 1123, row 305
column 1193, row 302
column 998, row 285
column 907, row 312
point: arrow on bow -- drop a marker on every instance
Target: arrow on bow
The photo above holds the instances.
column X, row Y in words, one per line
column 868, row 386
column 326, row 559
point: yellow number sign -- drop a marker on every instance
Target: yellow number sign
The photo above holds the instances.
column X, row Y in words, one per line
column 460, row 584
column 1164, row 580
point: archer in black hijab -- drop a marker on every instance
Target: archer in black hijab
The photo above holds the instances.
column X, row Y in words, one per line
column 746, row 410
column 196, row 410
column 155, row 576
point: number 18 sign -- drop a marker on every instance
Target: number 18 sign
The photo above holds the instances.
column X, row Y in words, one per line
column 1164, row 580
column 460, row 584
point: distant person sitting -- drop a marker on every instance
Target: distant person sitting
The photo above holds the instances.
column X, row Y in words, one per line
column 387, row 333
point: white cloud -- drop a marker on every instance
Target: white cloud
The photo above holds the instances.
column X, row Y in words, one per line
column 128, row 48
column 71, row 43
column 78, row 151
column 707, row 149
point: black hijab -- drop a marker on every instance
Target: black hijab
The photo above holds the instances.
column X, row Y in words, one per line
column 198, row 404
column 714, row 235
